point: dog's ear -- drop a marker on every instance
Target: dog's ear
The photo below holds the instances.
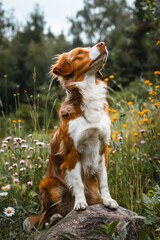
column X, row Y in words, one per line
column 63, row 67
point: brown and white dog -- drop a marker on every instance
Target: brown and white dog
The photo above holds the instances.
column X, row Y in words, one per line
column 77, row 171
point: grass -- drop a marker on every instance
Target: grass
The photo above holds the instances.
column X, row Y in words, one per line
column 134, row 157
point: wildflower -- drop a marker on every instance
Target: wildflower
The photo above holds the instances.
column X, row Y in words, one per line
column 157, row 72
column 35, row 140
column 158, row 43
column 1, row 150
column 116, row 132
column 6, row 163
column 152, row 100
column 153, row 137
column 150, row 84
column 8, row 138
column 4, row 194
column 113, row 136
column 111, row 76
column 142, row 142
column 15, row 165
column 157, row 86
column 10, row 168
column 15, row 174
column 40, row 143
column 147, row 82
column 142, row 130
column 130, row 103
column 145, row 155
column 157, row 104
column 150, row 159
column 4, row 142
column 20, row 121
column 22, row 169
column 31, row 148
column 152, row 93
column 17, row 139
column 153, row 126
column 115, row 114
column 29, row 135
column 124, row 125
column 16, row 180
column 4, row 145
column 135, row 144
column 24, row 145
column 23, row 141
column 6, row 188
column 14, row 121
column 132, row 111
column 22, row 162
column 30, row 183
column 13, row 158
column 9, row 211
column 106, row 79
column 113, row 119
column 47, row 160
column 141, row 113
column 144, row 120
column 147, row 139
column 158, row 133
column 28, row 156
column 9, row 147
column 135, row 134
column 120, row 138
column 146, row 111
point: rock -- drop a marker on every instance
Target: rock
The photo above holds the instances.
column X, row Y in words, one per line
column 78, row 224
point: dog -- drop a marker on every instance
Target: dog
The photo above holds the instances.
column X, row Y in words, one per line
column 77, row 170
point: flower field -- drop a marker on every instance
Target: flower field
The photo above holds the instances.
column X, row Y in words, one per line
column 133, row 169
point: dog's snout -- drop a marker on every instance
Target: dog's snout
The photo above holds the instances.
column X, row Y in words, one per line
column 101, row 44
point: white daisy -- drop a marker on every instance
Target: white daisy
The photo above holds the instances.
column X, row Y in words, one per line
column 4, row 194
column 6, row 188
column 9, row 211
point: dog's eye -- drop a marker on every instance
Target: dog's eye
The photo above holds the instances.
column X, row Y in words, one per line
column 79, row 53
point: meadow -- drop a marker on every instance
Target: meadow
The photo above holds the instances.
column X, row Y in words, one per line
column 134, row 157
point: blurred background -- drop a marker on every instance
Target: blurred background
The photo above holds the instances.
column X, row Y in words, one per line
column 33, row 32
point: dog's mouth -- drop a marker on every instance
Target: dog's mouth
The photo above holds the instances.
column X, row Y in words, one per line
column 102, row 56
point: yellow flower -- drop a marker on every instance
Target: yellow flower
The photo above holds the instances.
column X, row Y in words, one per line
column 153, row 126
column 109, row 148
column 124, row 125
column 157, row 104
column 115, row 114
column 147, row 82
column 153, row 137
column 106, row 79
column 146, row 111
column 113, row 136
column 158, row 43
column 141, row 113
column 144, row 120
column 116, row 132
column 157, row 86
column 14, row 121
column 150, row 84
column 20, row 121
column 111, row 76
column 130, row 103
column 135, row 134
column 112, row 110
column 147, row 139
column 152, row 100
column 157, row 72
column 113, row 119
column 152, row 93
column 158, row 133
column 132, row 111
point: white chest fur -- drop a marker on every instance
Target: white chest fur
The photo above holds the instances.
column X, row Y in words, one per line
column 91, row 132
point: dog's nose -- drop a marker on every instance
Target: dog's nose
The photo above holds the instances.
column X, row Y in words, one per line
column 101, row 44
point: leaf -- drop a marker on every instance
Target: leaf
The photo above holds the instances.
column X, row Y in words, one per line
column 143, row 235
column 112, row 227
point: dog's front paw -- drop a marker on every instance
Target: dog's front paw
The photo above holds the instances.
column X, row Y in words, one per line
column 111, row 203
column 80, row 206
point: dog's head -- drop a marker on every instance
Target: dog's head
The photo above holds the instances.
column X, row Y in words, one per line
column 75, row 64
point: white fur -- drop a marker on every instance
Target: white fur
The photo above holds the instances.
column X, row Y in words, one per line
column 74, row 181
column 94, row 53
